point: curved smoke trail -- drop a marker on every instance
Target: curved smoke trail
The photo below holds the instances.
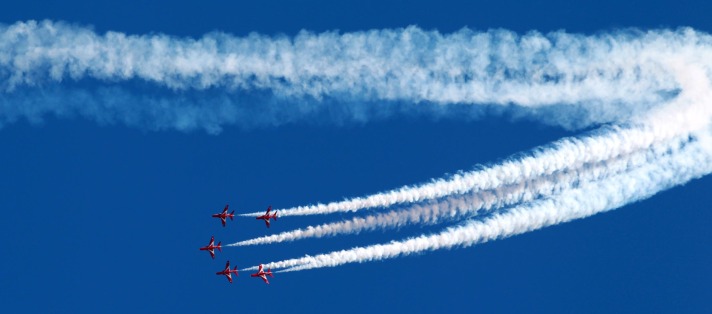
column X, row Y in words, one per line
column 689, row 115
column 693, row 161
column 682, row 115
column 651, row 86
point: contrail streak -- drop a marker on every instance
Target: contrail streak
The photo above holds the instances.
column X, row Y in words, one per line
column 679, row 116
column 688, row 115
column 563, row 154
column 606, row 77
column 692, row 161
column 652, row 87
column 469, row 204
column 411, row 64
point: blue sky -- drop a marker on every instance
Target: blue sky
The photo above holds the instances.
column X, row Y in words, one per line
column 108, row 218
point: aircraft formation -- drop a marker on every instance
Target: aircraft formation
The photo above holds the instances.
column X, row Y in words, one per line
column 227, row 272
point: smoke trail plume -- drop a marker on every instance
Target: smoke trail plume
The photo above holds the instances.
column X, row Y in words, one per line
column 688, row 115
column 606, row 77
column 452, row 207
column 652, row 87
column 563, row 154
column 682, row 115
column 694, row 160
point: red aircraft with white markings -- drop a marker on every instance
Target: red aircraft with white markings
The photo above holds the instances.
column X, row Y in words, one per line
column 211, row 247
column 267, row 216
column 263, row 274
column 227, row 272
column 225, row 215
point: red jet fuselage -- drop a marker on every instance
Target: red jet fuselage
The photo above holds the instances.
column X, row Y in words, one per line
column 227, row 272
column 266, row 217
column 263, row 274
column 211, row 247
column 224, row 215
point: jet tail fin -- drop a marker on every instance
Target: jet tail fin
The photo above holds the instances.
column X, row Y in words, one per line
column 275, row 216
column 269, row 272
column 232, row 214
column 218, row 247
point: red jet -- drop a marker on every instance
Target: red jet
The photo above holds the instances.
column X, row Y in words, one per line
column 263, row 274
column 227, row 272
column 224, row 215
column 211, row 248
column 267, row 216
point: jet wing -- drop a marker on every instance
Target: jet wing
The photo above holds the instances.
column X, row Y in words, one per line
column 212, row 254
column 212, row 241
column 260, row 269
column 222, row 219
column 265, row 279
column 227, row 266
column 225, row 210
column 229, row 277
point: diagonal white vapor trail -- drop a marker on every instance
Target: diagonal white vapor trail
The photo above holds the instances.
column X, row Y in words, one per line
column 563, row 154
column 692, row 161
column 469, row 204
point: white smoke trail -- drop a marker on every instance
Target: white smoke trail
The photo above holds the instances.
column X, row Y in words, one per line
column 566, row 153
column 682, row 115
column 410, row 64
column 692, row 161
column 609, row 78
column 469, row 204
column 689, row 114
column 606, row 77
